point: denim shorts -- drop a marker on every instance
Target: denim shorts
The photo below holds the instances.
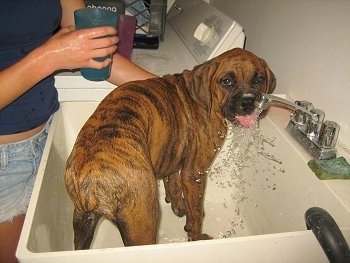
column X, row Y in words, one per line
column 19, row 164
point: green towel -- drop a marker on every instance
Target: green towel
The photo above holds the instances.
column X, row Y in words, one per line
column 337, row 168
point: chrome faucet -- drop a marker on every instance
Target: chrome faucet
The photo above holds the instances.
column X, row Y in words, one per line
column 307, row 126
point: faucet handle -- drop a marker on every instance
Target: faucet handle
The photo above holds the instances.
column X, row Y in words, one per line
column 318, row 115
column 298, row 116
column 304, row 104
column 329, row 134
column 314, row 123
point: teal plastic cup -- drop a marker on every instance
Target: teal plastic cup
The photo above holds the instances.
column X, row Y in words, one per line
column 91, row 18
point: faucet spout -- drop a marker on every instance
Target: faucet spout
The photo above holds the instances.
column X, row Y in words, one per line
column 268, row 100
column 306, row 125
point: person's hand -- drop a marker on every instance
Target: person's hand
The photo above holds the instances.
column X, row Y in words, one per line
column 70, row 48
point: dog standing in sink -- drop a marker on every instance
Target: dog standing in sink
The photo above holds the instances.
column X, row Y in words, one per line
column 163, row 128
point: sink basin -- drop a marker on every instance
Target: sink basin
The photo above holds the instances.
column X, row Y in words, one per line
column 254, row 213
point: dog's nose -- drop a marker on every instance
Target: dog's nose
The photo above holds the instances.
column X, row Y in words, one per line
column 248, row 102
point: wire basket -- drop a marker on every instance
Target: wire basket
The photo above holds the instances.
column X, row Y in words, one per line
column 150, row 14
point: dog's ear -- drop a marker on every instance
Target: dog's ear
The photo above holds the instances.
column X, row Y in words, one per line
column 270, row 79
column 200, row 83
column 270, row 85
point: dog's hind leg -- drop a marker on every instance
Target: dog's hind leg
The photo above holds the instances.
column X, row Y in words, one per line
column 84, row 225
column 138, row 219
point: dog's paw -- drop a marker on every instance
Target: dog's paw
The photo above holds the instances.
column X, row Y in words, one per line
column 177, row 204
column 199, row 237
column 178, row 209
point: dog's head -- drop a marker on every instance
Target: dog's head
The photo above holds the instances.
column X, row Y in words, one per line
column 234, row 80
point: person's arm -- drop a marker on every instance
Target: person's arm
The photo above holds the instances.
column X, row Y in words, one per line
column 17, row 79
column 68, row 8
column 123, row 70
column 67, row 49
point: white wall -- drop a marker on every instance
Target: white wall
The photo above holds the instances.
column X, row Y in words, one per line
column 307, row 45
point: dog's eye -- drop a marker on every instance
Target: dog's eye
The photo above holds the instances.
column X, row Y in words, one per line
column 227, row 81
column 259, row 80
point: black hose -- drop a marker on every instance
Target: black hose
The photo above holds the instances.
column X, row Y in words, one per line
column 328, row 234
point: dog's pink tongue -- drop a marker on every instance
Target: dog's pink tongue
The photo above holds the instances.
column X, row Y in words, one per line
column 247, row 120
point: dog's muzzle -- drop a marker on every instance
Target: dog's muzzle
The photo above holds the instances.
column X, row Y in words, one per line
column 241, row 108
column 248, row 102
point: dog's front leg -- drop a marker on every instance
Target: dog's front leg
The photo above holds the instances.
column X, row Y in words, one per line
column 193, row 188
column 174, row 193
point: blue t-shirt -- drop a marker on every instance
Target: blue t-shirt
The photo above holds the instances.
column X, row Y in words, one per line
column 25, row 25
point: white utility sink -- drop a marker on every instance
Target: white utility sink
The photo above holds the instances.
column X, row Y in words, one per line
column 254, row 216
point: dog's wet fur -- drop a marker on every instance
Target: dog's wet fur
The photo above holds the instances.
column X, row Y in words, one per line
column 163, row 128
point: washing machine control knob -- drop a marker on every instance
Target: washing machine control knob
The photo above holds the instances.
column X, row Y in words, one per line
column 203, row 33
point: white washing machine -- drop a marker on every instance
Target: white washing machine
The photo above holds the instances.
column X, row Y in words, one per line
column 195, row 32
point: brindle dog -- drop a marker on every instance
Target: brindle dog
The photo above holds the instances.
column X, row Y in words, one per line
column 162, row 128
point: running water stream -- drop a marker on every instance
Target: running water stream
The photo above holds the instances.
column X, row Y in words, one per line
column 240, row 143
column 240, row 149
column 231, row 179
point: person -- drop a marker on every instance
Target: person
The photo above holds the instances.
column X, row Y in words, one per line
column 37, row 38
